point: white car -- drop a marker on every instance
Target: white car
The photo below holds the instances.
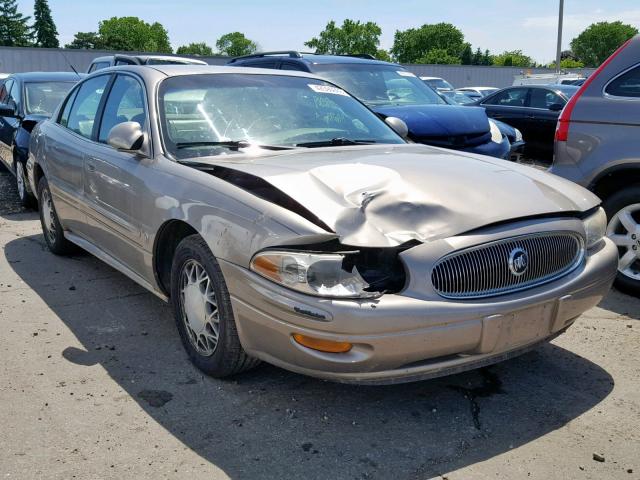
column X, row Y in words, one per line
column 437, row 83
column 477, row 92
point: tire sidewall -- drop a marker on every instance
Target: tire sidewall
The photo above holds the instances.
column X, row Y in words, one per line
column 191, row 249
column 58, row 247
column 613, row 205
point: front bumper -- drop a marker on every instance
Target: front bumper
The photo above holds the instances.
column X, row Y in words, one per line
column 499, row 150
column 400, row 338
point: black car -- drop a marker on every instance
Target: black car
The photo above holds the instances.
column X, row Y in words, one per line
column 532, row 109
column 26, row 99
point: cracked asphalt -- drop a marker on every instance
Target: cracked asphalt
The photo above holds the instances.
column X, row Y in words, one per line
column 94, row 384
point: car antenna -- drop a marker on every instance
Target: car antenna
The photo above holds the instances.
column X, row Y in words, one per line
column 70, row 64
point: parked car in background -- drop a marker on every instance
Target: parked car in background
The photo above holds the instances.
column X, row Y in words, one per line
column 287, row 223
column 437, row 83
column 26, row 99
column 546, row 79
column 120, row 59
column 457, row 98
column 533, row 110
column 392, row 91
column 597, row 145
column 477, row 92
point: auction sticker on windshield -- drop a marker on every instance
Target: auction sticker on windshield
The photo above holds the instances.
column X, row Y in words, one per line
column 327, row 89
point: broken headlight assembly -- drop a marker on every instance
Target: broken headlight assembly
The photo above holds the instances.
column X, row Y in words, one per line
column 332, row 274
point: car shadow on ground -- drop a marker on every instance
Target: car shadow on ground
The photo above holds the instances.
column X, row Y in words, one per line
column 283, row 425
column 621, row 304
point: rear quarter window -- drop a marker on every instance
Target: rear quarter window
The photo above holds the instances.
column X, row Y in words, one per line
column 625, row 85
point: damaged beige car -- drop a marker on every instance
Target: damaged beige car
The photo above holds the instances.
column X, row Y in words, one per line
column 285, row 222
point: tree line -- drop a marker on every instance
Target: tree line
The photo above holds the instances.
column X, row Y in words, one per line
column 439, row 43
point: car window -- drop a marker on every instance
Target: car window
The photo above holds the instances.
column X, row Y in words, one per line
column 98, row 66
column 543, row 98
column 14, row 92
column 4, row 91
column 514, row 97
column 196, row 111
column 261, row 64
column 43, row 98
column 124, row 104
column 626, row 85
column 380, row 84
column 124, row 62
column 64, row 116
column 292, row 66
column 85, row 107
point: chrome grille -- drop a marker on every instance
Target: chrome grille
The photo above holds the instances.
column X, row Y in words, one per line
column 484, row 271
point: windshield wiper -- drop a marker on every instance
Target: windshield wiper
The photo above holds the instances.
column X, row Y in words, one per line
column 232, row 144
column 335, row 142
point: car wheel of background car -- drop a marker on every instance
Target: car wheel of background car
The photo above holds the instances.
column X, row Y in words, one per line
column 203, row 312
column 26, row 199
column 623, row 212
column 51, row 227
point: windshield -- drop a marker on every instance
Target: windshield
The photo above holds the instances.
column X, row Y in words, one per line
column 198, row 112
column 380, row 85
column 42, row 98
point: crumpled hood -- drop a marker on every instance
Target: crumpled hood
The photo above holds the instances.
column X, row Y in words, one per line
column 386, row 195
column 439, row 120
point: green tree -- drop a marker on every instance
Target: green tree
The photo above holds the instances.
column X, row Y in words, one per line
column 414, row 43
column 467, row 55
column 487, row 58
column 599, row 40
column 235, row 44
column 383, row 55
column 201, row 49
column 86, row 40
column 477, row 57
column 133, row 34
column 353, row 37
column 14, row 28
column 514, row 58
column 439, row 56
column 44, row 26
column 567, row 63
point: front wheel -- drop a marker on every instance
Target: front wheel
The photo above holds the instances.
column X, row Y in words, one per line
column 623, row 212
column 203, row 312
column 26, row 198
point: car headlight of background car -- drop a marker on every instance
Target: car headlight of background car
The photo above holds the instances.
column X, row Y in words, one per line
column 518, row 135
column 595, row 227
column 320, row 274
column 496, row 134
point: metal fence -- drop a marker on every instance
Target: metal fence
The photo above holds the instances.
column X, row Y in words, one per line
column 23, row 59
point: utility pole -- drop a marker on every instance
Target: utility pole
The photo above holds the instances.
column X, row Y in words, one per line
column 559, row 47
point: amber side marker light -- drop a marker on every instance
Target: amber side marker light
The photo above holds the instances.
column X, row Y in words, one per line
column 328, row 346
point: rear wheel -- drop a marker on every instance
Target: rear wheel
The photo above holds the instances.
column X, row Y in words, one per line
column 26, row 198
column 203, row 312
column 623, row 212
column 51, row 228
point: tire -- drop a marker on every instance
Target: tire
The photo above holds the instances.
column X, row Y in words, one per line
column 51, row 228
column 27, row 200
column 199, row 297
column 625, row 201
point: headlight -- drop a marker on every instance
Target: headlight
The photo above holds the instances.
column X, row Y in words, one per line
column 320, row 274
column 595, row 227
column 496, row 134
column 518, row 135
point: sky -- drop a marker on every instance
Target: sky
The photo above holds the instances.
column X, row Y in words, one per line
column 498, row 25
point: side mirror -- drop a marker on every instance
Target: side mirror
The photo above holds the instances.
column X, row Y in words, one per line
column 398, row 126
column 126, row 136
column 7, row 110
column 556, row 107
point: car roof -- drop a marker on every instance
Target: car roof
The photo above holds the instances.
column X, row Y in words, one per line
column 431, row 78
column 144, row 58
column 312, row 58
column 48, row 76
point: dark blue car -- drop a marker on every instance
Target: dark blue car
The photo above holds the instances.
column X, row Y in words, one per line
column 392, row 91
column 26, row 99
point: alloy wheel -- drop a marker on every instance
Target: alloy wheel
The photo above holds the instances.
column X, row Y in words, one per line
column 624, row 231
column 199, row 308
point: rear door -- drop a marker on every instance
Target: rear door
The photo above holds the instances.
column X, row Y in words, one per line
column 543, row 120
column 509, row 106
column 8, row 125
column 66, row 146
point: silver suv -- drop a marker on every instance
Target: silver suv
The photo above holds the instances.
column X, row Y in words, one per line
column 597, row 144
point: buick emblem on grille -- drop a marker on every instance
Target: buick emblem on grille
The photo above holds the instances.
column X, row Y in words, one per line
column 518, row 261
